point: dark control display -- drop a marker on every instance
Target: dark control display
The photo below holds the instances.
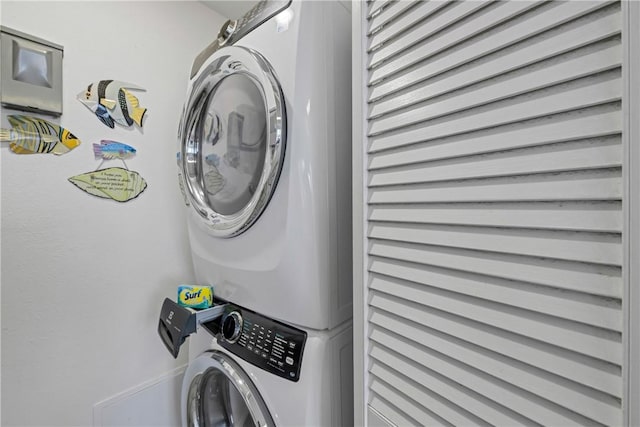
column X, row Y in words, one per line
column 263, row 342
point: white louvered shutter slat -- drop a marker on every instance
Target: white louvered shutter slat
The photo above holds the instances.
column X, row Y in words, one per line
column 591, row 247
column 455, row 12
column 595, row 406
column 499, row 88
column 446, row 410
column 599, row 376
column 556, row 100
column 390, row 14
column 521, row 401
column 473, row 402
column 381, row 31
column 566, row 158
column 591, row 342
column 489, row 19
column 597, row 186
column 523, row 29
column 376, row 7
column 511, row 293
column 561, row 216
column 494, row 212
column 414, row 409
column 591, row 279
column 562, row 129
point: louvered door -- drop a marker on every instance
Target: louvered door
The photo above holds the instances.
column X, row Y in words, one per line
column 493, row 220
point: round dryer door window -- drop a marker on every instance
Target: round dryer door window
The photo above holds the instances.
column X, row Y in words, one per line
column 232, row 140
column 222, row 394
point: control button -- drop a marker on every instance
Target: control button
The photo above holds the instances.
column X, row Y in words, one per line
column 264, row 355
column 281, row 364
column 228, row 28
column 292, row 344
column 292, row 374
column 289, row 360
column 249, row 347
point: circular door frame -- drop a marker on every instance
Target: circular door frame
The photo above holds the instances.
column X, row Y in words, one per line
column 217, row 361
column 223, row 63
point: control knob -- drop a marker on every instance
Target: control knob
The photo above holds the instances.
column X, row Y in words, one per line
column 232, row 327
column 227, row 30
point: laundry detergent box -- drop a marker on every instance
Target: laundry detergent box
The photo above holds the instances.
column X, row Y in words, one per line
column 195, row 296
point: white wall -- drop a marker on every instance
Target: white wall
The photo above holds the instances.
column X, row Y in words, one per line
column 82, row 277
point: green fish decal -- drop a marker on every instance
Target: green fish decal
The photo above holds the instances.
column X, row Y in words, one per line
column 30, row 135
column 118, row 184
column 23, row 142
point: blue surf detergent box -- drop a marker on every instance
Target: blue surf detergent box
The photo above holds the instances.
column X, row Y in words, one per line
column 195, row 296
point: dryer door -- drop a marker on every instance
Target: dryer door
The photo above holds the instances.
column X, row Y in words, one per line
column 217, row 392
column 232, row 140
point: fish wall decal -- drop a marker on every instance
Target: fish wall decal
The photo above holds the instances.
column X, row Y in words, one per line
column 112, row 103
column 30, row 135
column 109, row 150
column 118, row 184
column 23, row 142
column 213, row 181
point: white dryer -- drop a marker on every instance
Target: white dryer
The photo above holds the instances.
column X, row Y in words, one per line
column 266, row 373
column 265, row 162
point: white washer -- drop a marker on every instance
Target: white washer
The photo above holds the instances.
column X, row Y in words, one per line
column 265, row 162
column 220, row 387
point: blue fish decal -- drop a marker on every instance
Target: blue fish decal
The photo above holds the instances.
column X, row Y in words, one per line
column 212, row 159
column 113, row 150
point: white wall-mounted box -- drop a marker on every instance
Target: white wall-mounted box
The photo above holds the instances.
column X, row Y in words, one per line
column 30, row 73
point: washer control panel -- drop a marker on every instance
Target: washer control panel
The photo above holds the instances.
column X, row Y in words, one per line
column 256, row 16
column 234, row 29
column 263, row 342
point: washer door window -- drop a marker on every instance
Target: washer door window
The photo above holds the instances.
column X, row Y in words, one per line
column 232, row 140
column 223, row 395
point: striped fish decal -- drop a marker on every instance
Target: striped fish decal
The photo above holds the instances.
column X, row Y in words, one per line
column 30, row 135
column 22, row 142
column 112, row 103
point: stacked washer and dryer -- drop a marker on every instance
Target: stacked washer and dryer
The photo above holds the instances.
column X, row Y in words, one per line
column 265, row 165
